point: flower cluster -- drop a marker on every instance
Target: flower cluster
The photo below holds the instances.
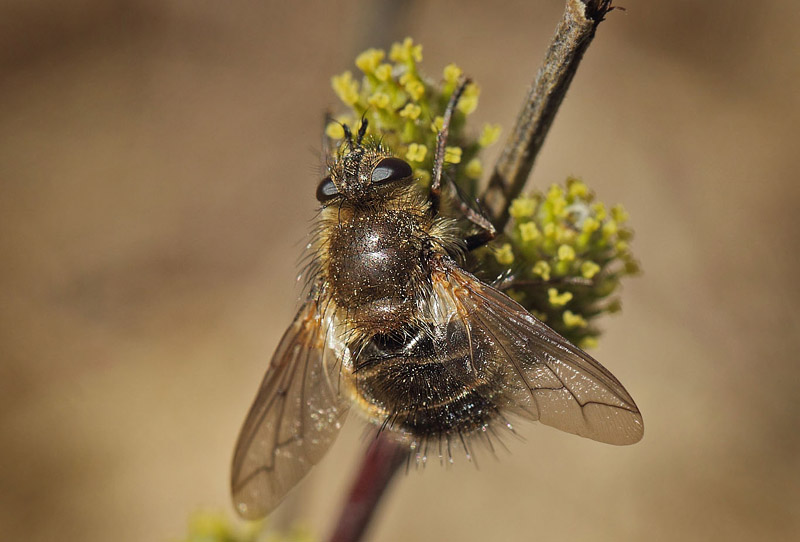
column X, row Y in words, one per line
column 404, row 109
column 563, row 257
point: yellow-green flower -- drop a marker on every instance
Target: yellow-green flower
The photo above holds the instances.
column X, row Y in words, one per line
column 566, row 253
column 369, row 60
column 379, row 100
column 556, row 299
column 589, row 269
column 383, row 72
column 632, row 267
column 490, row 134
column 474, row 169
column 469, row 100
column 576, row 189
column 528, row 232
column 208, row 526
column 416, row 152
column 522, row 207
column 619, row 214
column 555, row 202
column 452, row 155
column 590, row 225
column 415, row 89
column 411, row 111
column 610, row 229
column 542, row 269
column 572, row 320
column 504, row 254
column 334, row 130
column 452, row 73
column 406, row 51
column 345, row 87
column 599, row 209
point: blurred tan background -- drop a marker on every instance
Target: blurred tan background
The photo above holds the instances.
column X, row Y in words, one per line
column 158, row 162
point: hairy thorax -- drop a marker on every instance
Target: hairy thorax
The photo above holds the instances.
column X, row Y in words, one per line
column 376, row 267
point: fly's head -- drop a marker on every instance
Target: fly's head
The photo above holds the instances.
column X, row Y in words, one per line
column 362, row 173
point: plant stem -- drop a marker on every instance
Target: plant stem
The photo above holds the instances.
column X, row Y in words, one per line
column 573, row 36
column 380, row 464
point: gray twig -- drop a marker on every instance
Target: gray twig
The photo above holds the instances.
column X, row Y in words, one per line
column 572, row 38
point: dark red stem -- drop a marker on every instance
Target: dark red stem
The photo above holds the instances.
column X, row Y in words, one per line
column 380, row 464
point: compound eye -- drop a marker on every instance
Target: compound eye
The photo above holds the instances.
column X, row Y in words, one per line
column 391, row 169
column 326, row 190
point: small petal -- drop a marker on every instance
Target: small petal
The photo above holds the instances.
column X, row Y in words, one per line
column 411, row 111
column 576, row 189
column 609, row 229
column 383, row 72
column 590, row 225
column 529, row 232
column 542, row 269
column 369, row 60
column 451, row 73
column 416, row 152
column 504, row 255
column 379, row 100
column 572, row 320
column 452, row 155
column 556, row 299
column 345, row 87
column 599, row 211
column 566, row 253
column 474, row 169
column 406, row 51
column 469, row 100
column 522, row 207
column 490, row 134
column 415, row 89
column 619, row 213
column 334, row 130
column 589, row 269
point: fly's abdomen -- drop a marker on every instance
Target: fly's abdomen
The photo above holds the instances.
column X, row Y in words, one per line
column 422, row 390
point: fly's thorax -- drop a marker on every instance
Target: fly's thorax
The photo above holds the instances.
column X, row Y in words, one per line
column 376, row 257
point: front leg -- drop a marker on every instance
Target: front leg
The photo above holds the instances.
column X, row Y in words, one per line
column 489, row 232
column 441, row 142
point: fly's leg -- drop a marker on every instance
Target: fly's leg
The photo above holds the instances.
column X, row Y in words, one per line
column 489, row 232
column 477, row 240
column 441, row 142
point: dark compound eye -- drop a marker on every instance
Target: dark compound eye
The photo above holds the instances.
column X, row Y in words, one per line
column 326, row 190
column 391, row 169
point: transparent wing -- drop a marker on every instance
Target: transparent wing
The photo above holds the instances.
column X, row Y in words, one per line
column 295, row 418
column 547, row 378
